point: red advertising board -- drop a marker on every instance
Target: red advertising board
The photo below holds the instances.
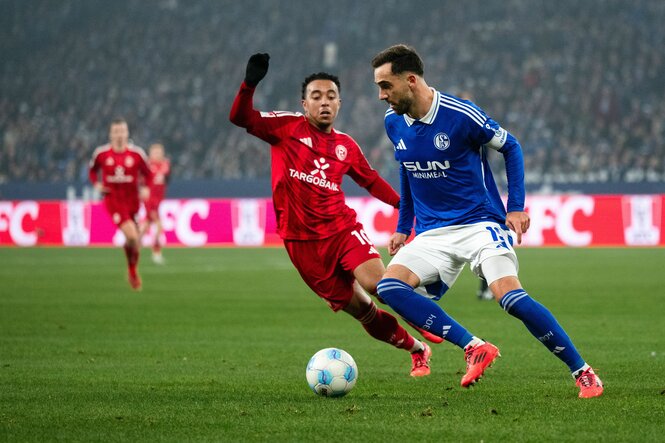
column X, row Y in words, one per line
column 572, row 220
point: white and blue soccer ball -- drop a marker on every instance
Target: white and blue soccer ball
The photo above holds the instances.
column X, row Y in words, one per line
column 331, row 372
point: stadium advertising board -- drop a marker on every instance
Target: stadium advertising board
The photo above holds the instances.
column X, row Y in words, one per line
column 572, row 220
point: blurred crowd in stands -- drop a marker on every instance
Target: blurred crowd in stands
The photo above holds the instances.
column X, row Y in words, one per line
column 580, row 84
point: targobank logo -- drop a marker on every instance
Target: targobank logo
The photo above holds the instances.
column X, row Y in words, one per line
column 427, row 169
column 317, row 176
column 119, row 176
column 321, row 166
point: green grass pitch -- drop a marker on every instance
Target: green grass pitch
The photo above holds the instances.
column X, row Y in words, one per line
column 215, row 347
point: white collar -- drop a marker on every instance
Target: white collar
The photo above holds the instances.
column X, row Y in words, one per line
column 431, row 114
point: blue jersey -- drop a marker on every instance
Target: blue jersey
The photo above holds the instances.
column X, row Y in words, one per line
column 444, row 173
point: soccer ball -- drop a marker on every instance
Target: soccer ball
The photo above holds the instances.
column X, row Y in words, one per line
column 331, row 372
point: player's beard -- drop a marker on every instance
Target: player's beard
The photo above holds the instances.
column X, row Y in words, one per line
column 402, row 106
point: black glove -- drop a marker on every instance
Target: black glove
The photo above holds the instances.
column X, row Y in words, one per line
column 257, row 67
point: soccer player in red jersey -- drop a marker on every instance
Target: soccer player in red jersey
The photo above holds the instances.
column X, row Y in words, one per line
column 325, row 242
column 121, row 165
column 161, row 170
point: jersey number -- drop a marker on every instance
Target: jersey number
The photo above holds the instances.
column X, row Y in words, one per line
column 364, row 240
column 497, row 236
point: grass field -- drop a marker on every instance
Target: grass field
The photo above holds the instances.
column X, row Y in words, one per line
column 215, row 346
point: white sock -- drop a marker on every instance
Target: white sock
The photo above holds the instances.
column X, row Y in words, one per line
column 579, row 372
column 417, row 346
column 475, row 341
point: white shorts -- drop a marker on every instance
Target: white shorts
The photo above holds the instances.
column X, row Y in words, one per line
column 439, row 255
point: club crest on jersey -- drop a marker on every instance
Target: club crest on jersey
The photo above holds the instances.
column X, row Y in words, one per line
column 441, row 141
column 341, row 152
column 129, row 162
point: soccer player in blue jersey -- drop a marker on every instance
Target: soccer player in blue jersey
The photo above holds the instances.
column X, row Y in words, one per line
column 440, row 143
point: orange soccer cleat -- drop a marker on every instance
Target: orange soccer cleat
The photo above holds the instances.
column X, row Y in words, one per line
column 135, row 281
column 590, row 384
column 420, row 367
column 478, row 358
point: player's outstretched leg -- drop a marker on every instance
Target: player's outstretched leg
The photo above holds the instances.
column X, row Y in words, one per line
column 132, row 254
column 589, row 383
column 426, row 314
column 131, row 248
column 157, row 256
column 420, row 361
column 383, row 326
column 542, row 325
column 479, row 356
column 426, row 334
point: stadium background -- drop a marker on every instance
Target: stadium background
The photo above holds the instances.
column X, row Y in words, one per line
column 579, row 83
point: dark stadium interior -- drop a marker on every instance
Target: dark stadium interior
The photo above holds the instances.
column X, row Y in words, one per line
column 580, row 84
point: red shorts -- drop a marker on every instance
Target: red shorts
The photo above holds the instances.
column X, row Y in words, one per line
column 121, row 211
column 327, row 265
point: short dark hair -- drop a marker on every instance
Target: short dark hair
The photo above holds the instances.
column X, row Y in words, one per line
column 319, row 76
column 118, row 121
column 403, row 58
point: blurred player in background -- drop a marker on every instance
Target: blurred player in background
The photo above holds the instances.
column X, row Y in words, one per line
column 122, row 166
column 440, row 143
column 161, row 171
column 325, row 242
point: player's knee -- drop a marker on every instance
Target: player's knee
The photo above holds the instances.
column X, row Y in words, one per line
column 368, row 284
column 368, row 274
column 501, row 287
column 359, row 305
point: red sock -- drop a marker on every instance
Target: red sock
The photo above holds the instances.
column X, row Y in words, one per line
column 383, row 326
column 132, row 254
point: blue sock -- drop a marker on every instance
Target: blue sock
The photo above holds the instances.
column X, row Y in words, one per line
column 542, row 324
column 421, row 311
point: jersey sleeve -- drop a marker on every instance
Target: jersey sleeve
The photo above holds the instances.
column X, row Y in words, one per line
column 362, row 173
column 480, row 127
column 512, row 155
column 360, row 170
column 491, row 135
column 406, row 212
column 270, row 127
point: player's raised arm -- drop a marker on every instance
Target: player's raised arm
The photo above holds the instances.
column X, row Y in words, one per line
column 243, row 110
column 257, row 68
column 268, row 126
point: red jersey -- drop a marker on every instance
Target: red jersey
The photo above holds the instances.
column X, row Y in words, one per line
column 160, row 176
column 120, row 174
column 307, row 170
